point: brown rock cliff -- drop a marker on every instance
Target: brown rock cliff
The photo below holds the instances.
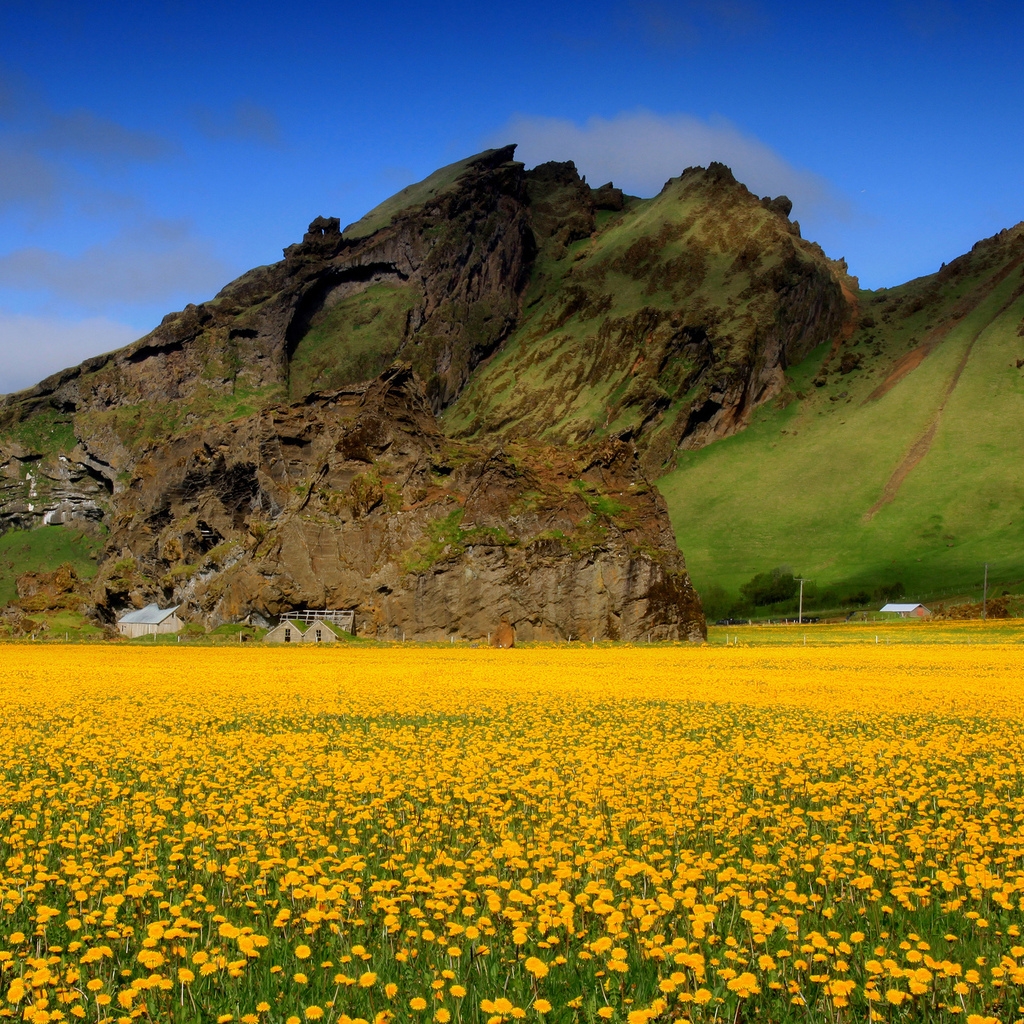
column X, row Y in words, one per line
column 354, row 499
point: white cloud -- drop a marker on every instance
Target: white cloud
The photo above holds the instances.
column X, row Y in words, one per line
column 43, row 151
column 640, row 151
column 156, row 261
column 86, row 134
column 33, row 347
column 26, row 179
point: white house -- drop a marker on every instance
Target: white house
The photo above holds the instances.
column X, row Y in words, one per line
column 914, row 611
column 286, row 632
column 320, row 632
column 151, row 619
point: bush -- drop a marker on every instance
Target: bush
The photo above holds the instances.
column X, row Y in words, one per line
column 891, row 592
column 770, row 588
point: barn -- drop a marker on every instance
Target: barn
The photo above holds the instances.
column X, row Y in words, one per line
column 151, row 619
column 912, row 611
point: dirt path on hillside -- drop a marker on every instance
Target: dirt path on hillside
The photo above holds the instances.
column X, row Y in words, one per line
column 913, row 359
column 920, row 448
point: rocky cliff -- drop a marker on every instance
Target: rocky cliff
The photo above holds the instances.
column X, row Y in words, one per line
column 354, row 499
column 666, row 321
column 444, row 274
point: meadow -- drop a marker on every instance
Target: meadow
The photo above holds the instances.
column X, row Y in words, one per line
column 549, row 834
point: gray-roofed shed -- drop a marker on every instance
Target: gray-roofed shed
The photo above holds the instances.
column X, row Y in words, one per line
column 916, row 610
column 151, row 619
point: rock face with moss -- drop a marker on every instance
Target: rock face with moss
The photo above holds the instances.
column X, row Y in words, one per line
column 438, row 282
column 354, row 499
column 52, row 482
column 666, row 321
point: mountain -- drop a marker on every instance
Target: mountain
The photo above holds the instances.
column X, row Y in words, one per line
column 890, row 461
column 264, row 451
column 789, row 417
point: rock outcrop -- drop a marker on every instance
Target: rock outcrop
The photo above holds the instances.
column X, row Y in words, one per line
column 45, row 591
column 50, row 488
column 455, row 263
column 355, row 499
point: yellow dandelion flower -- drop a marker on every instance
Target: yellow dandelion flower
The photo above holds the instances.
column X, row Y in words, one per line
column 536, row 967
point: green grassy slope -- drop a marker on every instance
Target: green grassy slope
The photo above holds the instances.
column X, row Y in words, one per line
column 856, row 489
column 43, row 550
column 354, row 340
column 412, row 195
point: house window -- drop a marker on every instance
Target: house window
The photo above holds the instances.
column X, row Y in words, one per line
column 287, row 636
column 319, row 636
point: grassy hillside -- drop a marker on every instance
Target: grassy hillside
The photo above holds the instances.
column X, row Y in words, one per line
column 353, row 340
column 42, row 551
column 412, row 195
column 904, row 468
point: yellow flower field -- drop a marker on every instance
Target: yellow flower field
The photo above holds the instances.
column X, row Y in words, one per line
column 552, row 834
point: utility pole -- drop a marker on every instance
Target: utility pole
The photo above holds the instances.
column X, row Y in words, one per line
column 800, row 614
column 984, row 595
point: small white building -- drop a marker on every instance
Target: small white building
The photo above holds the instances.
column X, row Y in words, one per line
column 286, row 632
column 913, row 611
column 151, row 619
column 320, row 632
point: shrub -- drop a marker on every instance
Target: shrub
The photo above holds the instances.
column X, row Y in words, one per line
column 890, row 592
column 716, row 601
column 770, row 588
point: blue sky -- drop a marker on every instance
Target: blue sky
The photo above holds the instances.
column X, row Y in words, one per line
column 152, row 151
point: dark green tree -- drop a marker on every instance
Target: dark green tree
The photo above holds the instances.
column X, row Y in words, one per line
column 770, row 588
